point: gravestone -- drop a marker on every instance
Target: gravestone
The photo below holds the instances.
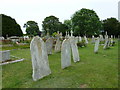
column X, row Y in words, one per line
column 39, row 57
column 101, row 38
column 96, row 45
column 80, row 39
column 65, row 54
column 4, row 55
column 93, row 39
column 86, row 41
column 49, row 45
column 58, row 45
column 74, row 47
column 106, row 43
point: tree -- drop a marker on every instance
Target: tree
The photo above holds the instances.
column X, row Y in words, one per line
column 86, row 22
column 51, row 24
column 32, row 28
column 112, row 26
column 10, row 27
column 68, row 24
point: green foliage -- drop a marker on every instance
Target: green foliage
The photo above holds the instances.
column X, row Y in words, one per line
column 112, row 26
column 10, row 26
column 32, row 28
column 86, row 22
column 51, row 24
column 81, row 44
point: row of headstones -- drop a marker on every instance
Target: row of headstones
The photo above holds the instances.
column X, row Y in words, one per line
column 39, row 54
column 108, row 42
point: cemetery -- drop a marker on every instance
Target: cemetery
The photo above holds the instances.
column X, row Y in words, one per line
column 39, row 51
column 64, row 64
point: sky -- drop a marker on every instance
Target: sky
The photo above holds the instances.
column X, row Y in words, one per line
column 36, row 10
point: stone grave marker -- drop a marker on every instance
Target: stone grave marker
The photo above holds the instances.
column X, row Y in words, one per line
column 40, row 63
column 96, row 45
column 49, row 45
column 65, row 54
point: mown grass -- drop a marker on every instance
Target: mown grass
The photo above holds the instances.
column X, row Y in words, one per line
column 93, row 71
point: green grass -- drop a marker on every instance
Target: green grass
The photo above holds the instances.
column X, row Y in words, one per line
column 94, row 70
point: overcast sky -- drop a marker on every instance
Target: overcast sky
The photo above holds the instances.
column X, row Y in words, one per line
column 36, row 10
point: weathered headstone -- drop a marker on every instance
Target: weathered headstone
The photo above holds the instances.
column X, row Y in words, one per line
column 39, row 57
column 58, row 45
column 65, row 54
column 106, row 43
column 93, row 39
column 80, row 38
column 101, row 38
column 96, row 45
column 4, row 55
column 86, row 41
column 74, row 47
column 49, row 45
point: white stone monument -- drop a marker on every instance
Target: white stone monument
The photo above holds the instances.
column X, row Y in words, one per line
column 58, row 46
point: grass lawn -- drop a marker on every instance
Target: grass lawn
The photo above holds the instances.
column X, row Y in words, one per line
column 93, row 71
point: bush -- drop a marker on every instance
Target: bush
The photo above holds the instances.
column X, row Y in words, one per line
column 81, row 44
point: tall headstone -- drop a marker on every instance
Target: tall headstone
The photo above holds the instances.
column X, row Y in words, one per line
column 49, row 45
column 39, row 57
column 96, row 45
column 74, row 47
column 65, row 54
column 58, row 46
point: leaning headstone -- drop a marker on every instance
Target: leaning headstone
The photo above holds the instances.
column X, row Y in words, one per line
column 74, row 47
column 49, row 45
column 65, row 54
column 39, row 57
column 106, row 43
column 96, row 45
column 86, row 41
column 58, row 45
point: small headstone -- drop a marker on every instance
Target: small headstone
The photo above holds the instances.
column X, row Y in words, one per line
column 93, row 39
column 80, row 38
column 65, row 54
column 58, row 45
column 96, row 45
column 49, row 45
column 106, row 43
column 39, row 57
column 4, row 55
column 74, row 47
column 86, row 41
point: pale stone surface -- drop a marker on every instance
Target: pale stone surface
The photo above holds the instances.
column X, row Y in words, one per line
column 39, row 57
column 106, row 43
column 77, row 39
column 58, row 46
column 93, row 39
column 4, row 55
column 96, row 45
column 74, row 47
column 101, row 38
column 65, row 54
column 80, row 38
column 86, row 41
column 49, row 45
